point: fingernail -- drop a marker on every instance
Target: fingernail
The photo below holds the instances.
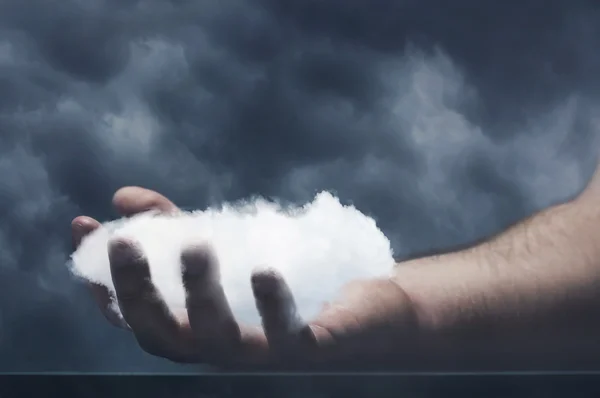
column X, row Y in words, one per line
column 199, row 262
column 264, row 284
column 197, row 258
column 123, row 251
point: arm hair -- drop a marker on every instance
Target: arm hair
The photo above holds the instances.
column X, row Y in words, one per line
column 526, row 299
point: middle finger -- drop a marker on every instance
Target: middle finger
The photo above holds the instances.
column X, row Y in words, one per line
column 209, row 313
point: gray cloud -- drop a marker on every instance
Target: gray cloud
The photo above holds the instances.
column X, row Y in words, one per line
column 445, row 120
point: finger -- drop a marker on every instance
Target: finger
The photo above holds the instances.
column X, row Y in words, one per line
column 155, row 328
column 209, row 313
column 283, row 326
column 81, row 227
column 132, row 200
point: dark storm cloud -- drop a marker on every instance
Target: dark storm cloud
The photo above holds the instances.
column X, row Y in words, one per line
column 444, row 120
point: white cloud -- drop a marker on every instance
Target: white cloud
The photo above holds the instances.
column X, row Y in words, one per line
column 317, row 249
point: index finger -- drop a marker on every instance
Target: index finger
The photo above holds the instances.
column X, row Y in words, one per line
column 81, row 227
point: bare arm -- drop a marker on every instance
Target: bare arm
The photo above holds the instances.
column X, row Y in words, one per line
column 527, row 299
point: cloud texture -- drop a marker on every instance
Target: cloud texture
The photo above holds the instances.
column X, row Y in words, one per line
column 316, row 248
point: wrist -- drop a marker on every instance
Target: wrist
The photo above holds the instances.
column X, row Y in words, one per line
column 441, row 341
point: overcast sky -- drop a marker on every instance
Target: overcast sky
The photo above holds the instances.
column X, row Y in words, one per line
column 444, row 120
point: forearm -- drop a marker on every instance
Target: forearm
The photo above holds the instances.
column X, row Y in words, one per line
column 528, row 298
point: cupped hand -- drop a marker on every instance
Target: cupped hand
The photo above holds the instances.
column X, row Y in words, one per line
column 362, row 328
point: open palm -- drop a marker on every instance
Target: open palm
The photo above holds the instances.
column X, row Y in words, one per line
column 368, row 318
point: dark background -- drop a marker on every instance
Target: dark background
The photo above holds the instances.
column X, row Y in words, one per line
column 498, row 386
column 444, row 120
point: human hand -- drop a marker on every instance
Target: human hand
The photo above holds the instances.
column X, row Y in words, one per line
column 362, row 328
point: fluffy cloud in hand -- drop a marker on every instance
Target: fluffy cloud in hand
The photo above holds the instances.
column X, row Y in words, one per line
column 316, row 248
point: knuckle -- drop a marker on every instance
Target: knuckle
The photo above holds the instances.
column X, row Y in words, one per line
column 199, row 276
column 197, row 281
column 209, row 303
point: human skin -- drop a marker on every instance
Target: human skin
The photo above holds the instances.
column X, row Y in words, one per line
column 526, row 299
